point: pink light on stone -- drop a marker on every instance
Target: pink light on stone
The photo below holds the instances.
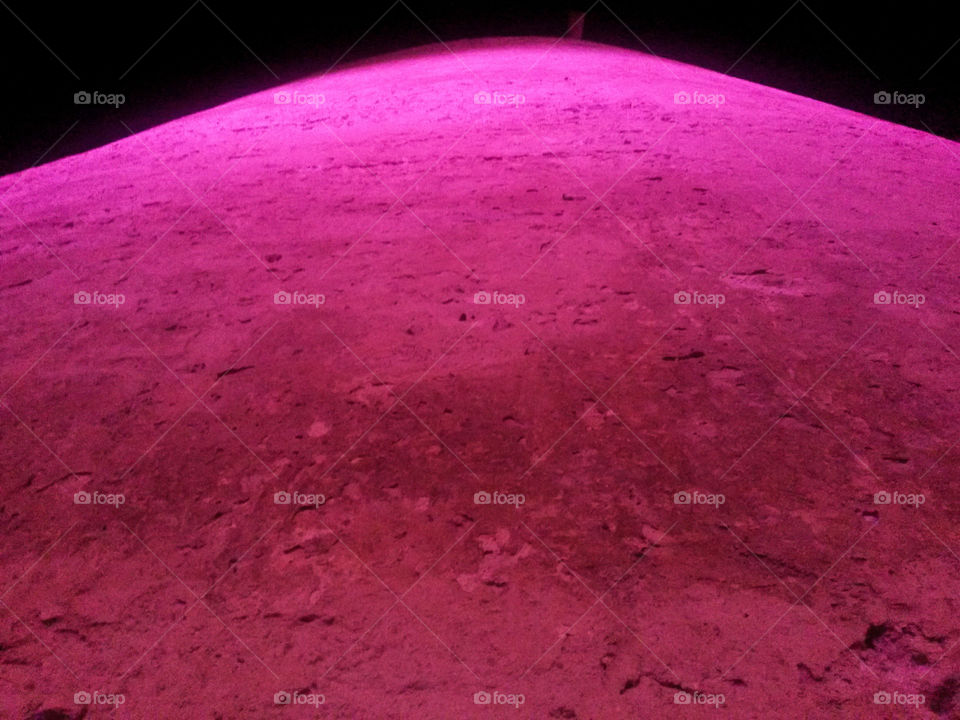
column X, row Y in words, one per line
column 510, row 370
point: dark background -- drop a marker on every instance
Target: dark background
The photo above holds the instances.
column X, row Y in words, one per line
column 200, row 63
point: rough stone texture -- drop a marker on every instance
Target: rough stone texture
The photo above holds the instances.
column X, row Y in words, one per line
column 599, row 198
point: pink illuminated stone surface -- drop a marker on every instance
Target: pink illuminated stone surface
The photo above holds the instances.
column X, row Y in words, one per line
column 686, row 301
